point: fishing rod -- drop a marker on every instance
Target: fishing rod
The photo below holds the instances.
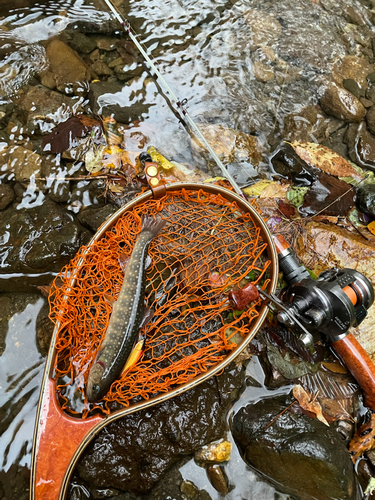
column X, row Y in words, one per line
column 179, row 103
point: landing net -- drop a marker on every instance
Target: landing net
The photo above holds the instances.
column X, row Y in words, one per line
column 208, row 247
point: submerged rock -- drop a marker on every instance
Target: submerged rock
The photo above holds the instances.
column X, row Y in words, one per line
column 7, row 195
column 352, row 68
column 134, row 452
column 66, row 69
column 301, row 455
column 361, row 145
column 230, row 145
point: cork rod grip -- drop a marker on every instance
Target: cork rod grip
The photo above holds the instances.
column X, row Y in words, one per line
column 359, row 364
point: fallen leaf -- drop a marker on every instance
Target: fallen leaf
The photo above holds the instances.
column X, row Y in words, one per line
column 115, row 188
column 363, row 440
column 308, row 403
column 325, row 159
column 328, row 195
column 65, row 135
column 296, row 195
column 334, row 367
column 275, row 190
column 93, row 159
column 257, row 188
column 371, row 227
column 286, row 208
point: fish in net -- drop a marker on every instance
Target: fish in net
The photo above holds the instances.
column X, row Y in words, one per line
column 208, row 247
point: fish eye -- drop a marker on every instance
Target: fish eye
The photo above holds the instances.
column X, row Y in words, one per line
column 96, row 389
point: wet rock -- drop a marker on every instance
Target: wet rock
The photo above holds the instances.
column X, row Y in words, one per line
column 79, row 42
column 217, row 479
column 302, row 455
column 106, row 43
column 66, row 71
column 262, row 72
column 366, row 102
column 93, row 218
column 23, row 164
column 354, row 68
column 353, row 87
column 308, row 125
column 214, row 452
column 370, row 119
column 134, row 452
column 43, row 108
column 338, row 102
column 44, row 330
column 230, row 145
column 324, row 246
column 105, row 97
column 7, row 195
column 361, row 146
column 101, row 69
column 38, row 240
column 265, row 29
column 366, row 199
column 189, row 489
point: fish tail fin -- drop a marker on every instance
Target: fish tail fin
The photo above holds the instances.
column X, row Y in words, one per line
column 152, row 225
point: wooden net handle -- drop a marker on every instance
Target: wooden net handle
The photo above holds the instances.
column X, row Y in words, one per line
column 360, row 365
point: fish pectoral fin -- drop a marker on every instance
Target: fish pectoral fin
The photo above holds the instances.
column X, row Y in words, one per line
column 123, row 261
column 109, row 298
column 148, row 262
column 147, row 316
column 135, row 355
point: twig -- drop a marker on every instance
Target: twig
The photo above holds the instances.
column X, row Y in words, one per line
column 279, row 415
column 356, row 228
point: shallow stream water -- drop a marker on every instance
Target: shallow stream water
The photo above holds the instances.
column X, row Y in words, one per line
column 245, row 64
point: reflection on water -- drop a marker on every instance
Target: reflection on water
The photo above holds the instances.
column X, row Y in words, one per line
column 21, row 370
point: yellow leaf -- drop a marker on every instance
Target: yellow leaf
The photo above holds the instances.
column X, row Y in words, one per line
column 257, row 188
column 371, row 227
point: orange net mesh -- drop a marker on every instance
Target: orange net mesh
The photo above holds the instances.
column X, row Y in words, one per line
column 207, row 248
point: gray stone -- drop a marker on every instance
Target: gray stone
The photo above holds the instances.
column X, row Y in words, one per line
column 342, row 104
column 7, row 195
column 265, row 29
column 304, row 457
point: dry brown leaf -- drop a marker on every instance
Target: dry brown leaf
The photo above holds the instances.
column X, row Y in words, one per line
column 363, row 440
column 325, row 159
column 115, row 188
column 308, row 403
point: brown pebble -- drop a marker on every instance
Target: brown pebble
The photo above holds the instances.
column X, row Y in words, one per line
column 217, row 478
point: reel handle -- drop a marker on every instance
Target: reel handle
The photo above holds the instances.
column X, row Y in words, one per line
column 359, row 364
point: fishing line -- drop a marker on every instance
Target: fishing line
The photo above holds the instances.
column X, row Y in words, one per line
column 180, row 104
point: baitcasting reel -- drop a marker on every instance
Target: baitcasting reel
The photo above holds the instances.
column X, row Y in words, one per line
column 331, row 304
column 337, row 300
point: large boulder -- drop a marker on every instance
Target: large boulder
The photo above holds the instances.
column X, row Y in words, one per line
column 133, row 453
column 301, row 456
column 36, row 242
